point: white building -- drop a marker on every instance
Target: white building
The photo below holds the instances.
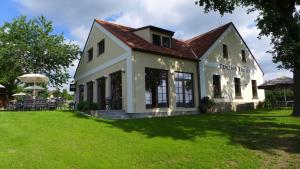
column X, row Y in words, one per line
column 148, row 70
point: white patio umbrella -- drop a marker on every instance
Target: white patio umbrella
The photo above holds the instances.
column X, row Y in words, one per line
column 1, row 86
column 33, row 78
column 20, row 94
column 34, row 88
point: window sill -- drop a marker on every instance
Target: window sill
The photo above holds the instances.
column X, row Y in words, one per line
column 100, row 54
column 187, row 107
column 148, row 108
column 255, row 98
column 238, row 97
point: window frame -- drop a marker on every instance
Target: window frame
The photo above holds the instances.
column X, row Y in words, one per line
column 183, row 83
column 160, row 39
column 102, row 42
column 90, row 54
column 238, row 93
column 243, row 54
column 155, row 101
column 219, row 87
column 254, row 89
column 90, row 91
column 225, row 51
column 81, row 93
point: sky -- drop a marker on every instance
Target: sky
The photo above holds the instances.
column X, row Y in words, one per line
column 74, row 18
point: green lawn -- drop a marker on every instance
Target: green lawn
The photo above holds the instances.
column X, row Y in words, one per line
column 257, row 139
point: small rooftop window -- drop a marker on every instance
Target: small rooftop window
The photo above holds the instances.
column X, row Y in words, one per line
column 156, row 40
column 166, row 42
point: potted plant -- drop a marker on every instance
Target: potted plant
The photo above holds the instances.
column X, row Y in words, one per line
column 206, row 104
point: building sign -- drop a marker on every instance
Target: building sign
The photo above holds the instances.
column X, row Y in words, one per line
column 235, row 68
column 72, row 87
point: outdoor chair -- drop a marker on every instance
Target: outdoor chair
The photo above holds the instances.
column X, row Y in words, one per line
column 40, row 104
column 12, row 105
column 51, row 105
column 28, row 105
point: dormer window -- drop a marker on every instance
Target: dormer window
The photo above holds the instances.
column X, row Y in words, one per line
column 163, row 41
column 156, row 40
column 166, row 42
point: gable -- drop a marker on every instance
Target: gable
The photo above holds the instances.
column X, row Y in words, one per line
column 113, row 48
column 235, row 43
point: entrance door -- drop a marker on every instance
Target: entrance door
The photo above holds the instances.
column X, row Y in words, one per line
column 101, row 93
column 116, row 91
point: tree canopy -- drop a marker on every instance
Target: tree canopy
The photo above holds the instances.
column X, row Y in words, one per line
column 31, row 46
column 278, row 19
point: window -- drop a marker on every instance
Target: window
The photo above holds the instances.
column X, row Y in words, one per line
column 166, row 42
column 237, row 87
column 243, row 55
column 116, row 90
column 156, row 84
column 217, row 86
column 156, row 40
column 101, row 47
column 225, row 51
column 81, row 93
column 90, row 54
column 90, row 92
column 254, row 88
column 184, row 89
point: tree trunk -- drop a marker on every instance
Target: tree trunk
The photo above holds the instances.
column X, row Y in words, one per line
column 296, row 110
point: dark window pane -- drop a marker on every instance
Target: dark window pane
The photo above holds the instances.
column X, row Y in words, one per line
column 156, row 40
column 90, row 92
column 90, row 54
column 243, row 55
column 237, row 87
column 225, row 51
column 101, row 47
column 81, row 93
column 116, row 90
column 254, row 88
column 166, row 42
column 217, row 86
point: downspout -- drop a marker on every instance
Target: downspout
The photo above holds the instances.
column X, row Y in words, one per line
column 198, row 77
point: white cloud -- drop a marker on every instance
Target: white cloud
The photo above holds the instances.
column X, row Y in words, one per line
column 80, row 33
column 181, row 16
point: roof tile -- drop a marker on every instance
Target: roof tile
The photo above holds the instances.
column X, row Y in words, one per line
column 189, row 49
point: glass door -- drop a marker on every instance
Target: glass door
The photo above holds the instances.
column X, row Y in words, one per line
column 101, row 93
column 116, row 91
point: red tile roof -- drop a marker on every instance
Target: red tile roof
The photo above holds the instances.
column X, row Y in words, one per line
column 201, row 43
column 189, row 49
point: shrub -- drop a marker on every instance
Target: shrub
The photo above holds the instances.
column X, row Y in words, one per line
column 86, row 106
column 206, row 103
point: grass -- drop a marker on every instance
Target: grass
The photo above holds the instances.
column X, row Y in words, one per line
column 61, row 139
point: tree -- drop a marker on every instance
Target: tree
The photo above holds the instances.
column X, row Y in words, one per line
column 278, row 19
column 65, row 95
column 31, row 46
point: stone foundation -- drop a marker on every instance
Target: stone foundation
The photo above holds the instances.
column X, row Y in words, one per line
column 233, row 107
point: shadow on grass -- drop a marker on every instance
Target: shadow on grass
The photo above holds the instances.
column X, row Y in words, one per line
column 76, row 114
column 252, row 130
